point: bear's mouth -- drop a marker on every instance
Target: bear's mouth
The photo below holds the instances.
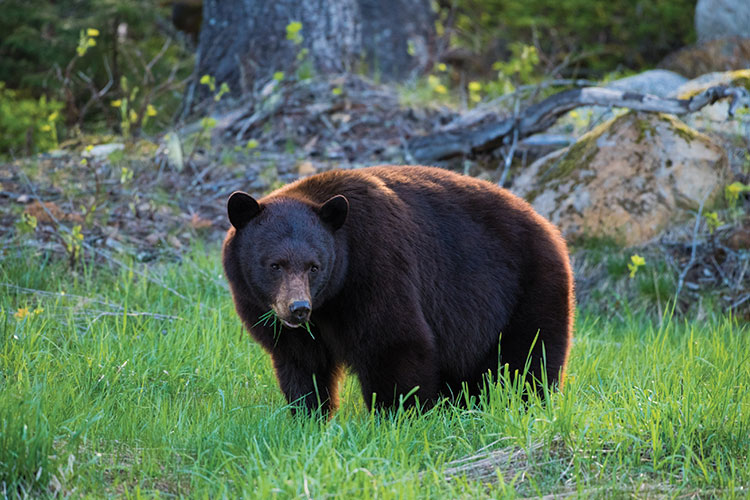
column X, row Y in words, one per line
column 290, row 325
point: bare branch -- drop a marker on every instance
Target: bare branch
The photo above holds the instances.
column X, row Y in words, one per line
column 511, row 148
column 690, row 263
column 96, row 94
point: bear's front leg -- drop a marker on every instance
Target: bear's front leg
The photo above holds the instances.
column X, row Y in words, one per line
column 309, row 383
column 403, row 370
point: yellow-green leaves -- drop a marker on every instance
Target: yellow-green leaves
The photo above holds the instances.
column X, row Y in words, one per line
column 713, row 221
column 208, row 123
column 223, row 89
column 475, row 91
column 733, row 191
column 73, row 242
column 293, row 32
column 436, row 85
column 636, row 261
column 210, row 82
column 26, row 224
column 86, row 40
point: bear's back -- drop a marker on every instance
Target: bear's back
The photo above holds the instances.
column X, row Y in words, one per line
column 456, row 222
column 465, row 240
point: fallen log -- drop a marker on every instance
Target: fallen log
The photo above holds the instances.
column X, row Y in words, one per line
column 541, row 116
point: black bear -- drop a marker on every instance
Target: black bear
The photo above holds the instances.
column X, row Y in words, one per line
column 409, row 276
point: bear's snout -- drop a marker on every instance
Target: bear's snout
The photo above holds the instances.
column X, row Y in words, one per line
column 293, row 303
column 300, row 310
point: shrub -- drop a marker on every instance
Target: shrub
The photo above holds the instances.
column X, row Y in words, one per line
column 27, row 125
column 603, row 33
column 40, row 52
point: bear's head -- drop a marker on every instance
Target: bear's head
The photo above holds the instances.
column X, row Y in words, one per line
column 285, row 252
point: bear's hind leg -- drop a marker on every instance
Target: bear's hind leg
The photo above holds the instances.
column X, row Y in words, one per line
column 540, row 331
column 457, row 389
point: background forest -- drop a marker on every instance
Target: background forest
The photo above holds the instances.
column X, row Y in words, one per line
column 46, row 51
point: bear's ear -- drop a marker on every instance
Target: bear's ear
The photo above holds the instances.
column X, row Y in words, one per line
column 241, row 207
column 333, row 212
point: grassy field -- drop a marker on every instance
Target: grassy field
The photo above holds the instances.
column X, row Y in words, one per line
column 139, row 382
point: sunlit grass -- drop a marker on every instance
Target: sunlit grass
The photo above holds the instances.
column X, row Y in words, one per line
column 119, row 386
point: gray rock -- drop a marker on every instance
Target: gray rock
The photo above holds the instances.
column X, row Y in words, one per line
column 658, row 82
column 104, row 150
column 722, row 18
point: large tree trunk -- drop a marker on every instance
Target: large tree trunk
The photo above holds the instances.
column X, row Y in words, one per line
column 245, row 41
column 398, row 37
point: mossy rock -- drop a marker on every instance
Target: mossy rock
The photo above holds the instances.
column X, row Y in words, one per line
column 627, row 179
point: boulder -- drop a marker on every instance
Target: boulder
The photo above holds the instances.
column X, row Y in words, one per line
column 628, row 179
column 722, row 18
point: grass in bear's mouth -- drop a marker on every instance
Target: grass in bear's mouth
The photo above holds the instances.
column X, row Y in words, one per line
column 273, row 318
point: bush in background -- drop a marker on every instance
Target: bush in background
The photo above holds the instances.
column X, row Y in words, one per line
column 597, row 36
column 38, row 54
column 27, row 124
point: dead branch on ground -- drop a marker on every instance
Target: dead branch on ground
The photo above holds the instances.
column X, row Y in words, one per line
column 539, row 117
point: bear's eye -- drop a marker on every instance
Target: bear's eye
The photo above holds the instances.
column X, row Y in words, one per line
column 275, row 266
column 313, row 268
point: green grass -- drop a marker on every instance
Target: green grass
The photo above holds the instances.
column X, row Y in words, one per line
column 120, row 387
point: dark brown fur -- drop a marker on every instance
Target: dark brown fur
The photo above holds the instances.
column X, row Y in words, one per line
column 427, row 271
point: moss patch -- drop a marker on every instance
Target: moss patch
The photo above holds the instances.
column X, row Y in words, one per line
column 580, row 153
column 644, row 127
column 679, row 127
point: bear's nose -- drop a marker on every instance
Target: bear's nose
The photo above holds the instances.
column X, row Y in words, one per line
column 300, row 310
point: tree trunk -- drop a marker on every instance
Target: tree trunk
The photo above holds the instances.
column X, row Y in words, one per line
column 398, row 37
column 243, row 42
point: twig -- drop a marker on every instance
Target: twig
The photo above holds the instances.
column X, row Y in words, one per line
column 187, row 102
column 96, row 94
column 101, row 314
column 61, row 295
column 511, row 149
column 724, row 278
column 690, row 263
column 743, row 299
column 489, row 108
